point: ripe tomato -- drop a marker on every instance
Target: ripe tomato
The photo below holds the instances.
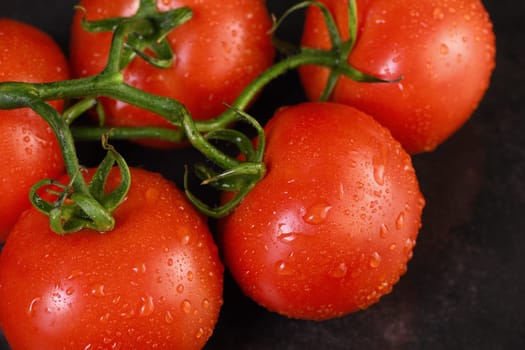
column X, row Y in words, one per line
column 155, row 281
column 331, row 227
column 30, row 151
column 444, row 51
column 217, row 53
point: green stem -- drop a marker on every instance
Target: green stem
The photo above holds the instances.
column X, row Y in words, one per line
column 65, row 140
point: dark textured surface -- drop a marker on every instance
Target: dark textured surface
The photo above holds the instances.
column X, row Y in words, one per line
column 464, row 288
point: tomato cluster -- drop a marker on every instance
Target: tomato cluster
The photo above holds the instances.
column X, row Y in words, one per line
column 327, row 231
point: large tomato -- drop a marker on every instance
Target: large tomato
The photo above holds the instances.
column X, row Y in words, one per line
column 29, row 149
column 442, row 50
column 331, row 227
column 155, row 281
column 217, row 53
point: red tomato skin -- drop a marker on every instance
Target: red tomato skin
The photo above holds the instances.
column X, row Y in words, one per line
column 217, row 53
column 443, row 51
column 155, row 281
column 30, row 151
column 331, row 227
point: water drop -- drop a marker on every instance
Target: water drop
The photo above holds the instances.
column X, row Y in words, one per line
column 205, row 303
column 147, row 307
column 379, row 174
column 32, row 304
column 200, row 333
column 438, row 13
column 375, row 260
column 170, row 262
column 283, row 269
column 400, row 221
column 339, row 271
column 285, row 233
column 317, row 213
column 139, row 268
column 180, row 288
column 104, row 318
column 383, row 231
column 409, row 245
column 185, row 239
column 185, row 306
column 443, row 49
column 168, row 317
column 98, row 290
column 190, row 276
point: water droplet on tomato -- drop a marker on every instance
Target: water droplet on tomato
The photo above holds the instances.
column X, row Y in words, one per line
column 375, row 260
column 383, row 231
column 379, row 174
column 74, row 274
column 185, row 306
column 168, row 317
column 32, row 306
column 339, row 271
column 283, row 269
column 409, row 245
column 438, row 13
column 199, row 333
column 104, row 318
column 205, row 303
column 443, row 49
column 185, row 239
column 180, row 288
column 98, row 290
column 400, row 221
column 170, row 262
column 190, row 276
column 139, row 268
column 147, row 307
column 317, row 213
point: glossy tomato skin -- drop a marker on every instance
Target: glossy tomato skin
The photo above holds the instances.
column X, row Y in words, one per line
column 443, row 51
column 30, row 151
column 331, row 227
column 217, row 53
column 155, row 281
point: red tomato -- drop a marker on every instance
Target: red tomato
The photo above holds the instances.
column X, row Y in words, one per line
column 444, row 50
column 217, row 53
column 155, row 281
column 30, row 151
column 331, row 227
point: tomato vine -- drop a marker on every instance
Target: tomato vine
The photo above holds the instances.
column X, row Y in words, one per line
column 143, row 36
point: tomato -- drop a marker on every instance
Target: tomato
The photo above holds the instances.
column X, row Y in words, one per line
column 155, row 281
column 30, row 151
column 217, row 53
column 331, row 227
column 444, row 52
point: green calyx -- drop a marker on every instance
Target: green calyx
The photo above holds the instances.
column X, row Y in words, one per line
column 75, row 206
column 227, row 174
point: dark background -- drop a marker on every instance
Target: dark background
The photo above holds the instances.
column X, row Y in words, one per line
column 465, row 285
